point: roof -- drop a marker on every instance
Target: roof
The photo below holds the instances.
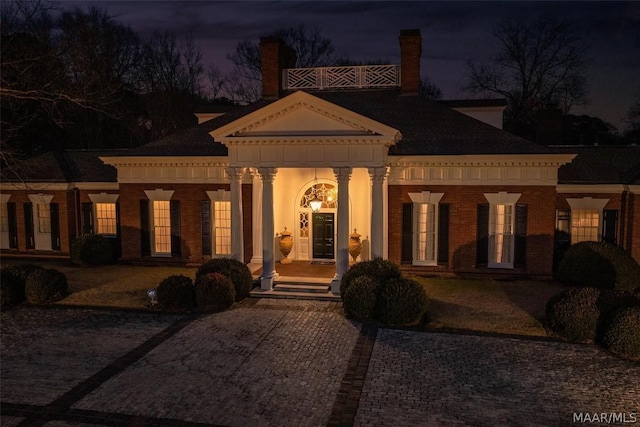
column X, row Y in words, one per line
column 62, row 166
column 600, row 164
column 427, row 127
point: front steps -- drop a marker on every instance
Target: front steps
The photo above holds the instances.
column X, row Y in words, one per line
column 298, row 290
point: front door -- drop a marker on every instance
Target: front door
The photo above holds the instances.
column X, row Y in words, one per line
column 323, row 226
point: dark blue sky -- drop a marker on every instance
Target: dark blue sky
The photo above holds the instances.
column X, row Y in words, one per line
column 452, row 33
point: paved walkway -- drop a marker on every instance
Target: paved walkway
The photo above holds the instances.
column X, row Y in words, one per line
column 291, row 363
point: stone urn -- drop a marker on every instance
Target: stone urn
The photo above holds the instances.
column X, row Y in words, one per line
column 355, row 245
column 286, row 243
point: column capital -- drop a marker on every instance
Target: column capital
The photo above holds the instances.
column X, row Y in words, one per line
column 378, row 174
column 234, row 173
column 342, row 173
column 267, row 174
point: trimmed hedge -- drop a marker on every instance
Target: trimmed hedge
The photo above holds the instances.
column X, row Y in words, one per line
column 401, row 302
column 177, row 293
column 574, row 313
column 622, row 334
column 46, row 286
column 236, row 271
column 599, row 265
column 359, row 299
column 214, row 291
column 91, row 249
column 12, row 283
column 381, row 270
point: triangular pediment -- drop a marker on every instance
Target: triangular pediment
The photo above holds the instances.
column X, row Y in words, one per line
column 301, row 115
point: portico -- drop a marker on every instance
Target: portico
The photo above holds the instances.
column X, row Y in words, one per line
column 286, row 143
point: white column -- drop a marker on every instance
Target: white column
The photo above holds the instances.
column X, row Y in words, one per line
column 378, row 176
column 268, row 240
column 343, row 175
column 237, row 237
column 256, row 217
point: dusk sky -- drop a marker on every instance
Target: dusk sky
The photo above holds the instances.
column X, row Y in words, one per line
column 452, row 33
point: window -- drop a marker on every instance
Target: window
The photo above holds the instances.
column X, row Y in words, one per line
column 4, row 218
column 425, row 233
column 161, row 227
column 106, row 218
column 222, row 227
column 501, row 237
column 585, row 224
column 43, row 217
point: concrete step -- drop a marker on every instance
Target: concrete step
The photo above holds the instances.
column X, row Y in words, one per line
column 298, row 287
column 273, row 293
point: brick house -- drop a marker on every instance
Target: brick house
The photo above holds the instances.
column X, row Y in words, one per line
column 436, row 187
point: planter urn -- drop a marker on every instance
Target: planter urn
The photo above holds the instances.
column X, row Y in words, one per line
column 286, row 243
column 355, row 245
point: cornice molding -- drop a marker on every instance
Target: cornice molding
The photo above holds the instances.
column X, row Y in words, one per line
column 134, row 161
column 499, row 160
column 299, row 140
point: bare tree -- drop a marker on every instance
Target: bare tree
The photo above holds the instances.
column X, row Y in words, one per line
column 540, row 64
column 429, row 90
column 218, row 82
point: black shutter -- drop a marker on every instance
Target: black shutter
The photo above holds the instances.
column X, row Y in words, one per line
column 520, row 252
column 13, row 225
column 610, row 226
column 87, row 218
column 117, row 242
column 28, row 226
column 176, row 246
column 443, row 234
column 407, row 233
column 206, row 227
column 145, row 233
column 482, row 235
column 118, row 219
column 54, row 215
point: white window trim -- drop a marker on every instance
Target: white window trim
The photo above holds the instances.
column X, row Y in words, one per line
column 44, row 199
column 101, row 198
column 157, row 195
column 4, row 235
column 508, row 199
column 589, row 204
column 217, row 196
column 433, row 200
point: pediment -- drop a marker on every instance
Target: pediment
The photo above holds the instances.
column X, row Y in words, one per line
column 300, row 116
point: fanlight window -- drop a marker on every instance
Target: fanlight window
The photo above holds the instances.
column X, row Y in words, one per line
column 325, row 192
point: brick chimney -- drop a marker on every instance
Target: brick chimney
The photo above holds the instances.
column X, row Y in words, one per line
column 410, row 51
column 275, row 57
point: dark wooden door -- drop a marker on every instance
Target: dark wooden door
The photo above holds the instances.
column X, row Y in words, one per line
column 323, row 227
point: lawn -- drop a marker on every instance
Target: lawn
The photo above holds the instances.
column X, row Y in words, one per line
column 509, row 307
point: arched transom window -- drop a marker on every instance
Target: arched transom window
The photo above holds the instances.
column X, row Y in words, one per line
column 325, row 192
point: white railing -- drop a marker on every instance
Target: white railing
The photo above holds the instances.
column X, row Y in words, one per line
column 363, row 76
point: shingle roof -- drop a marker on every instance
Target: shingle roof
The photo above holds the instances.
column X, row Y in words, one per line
column 600, row 165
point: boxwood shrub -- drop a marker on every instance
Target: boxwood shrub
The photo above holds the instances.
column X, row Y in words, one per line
column 176, row 293
column 11, row 289
column 574, row 313
column 91, row 249
column 214, row 291
column 359, row 299
column 381, row 270
column 401, row 302
column 46, row 286
column 600, row 265
column 622, row 334
column 236, row 271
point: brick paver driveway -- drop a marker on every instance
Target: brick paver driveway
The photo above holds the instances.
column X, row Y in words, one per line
column 291, row 363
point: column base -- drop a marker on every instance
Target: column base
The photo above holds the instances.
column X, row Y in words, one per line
column 266, row 282
column 335, row 285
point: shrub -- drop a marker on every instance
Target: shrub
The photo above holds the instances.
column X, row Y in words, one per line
column 45, row 286
column 610, row 301
column 382, row 271
column 622, row 334
column 401, row 302
column 11, row 289
column 176, row 293
column 574, row 313
column 214, row 291
column 236, row 271
column 91, row 249
column 599, row 265
column 359, row 300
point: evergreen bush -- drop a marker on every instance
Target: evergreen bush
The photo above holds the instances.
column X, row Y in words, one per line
column 622, row 334
column 236, row 271
column 91, row 249
column 380, row 270
column 11, row 289
column 359, row 299
column 401, row 302
column 214, row 291
column 46, row 286
column 176, row 293
column 574, row 313
column 600, row 265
